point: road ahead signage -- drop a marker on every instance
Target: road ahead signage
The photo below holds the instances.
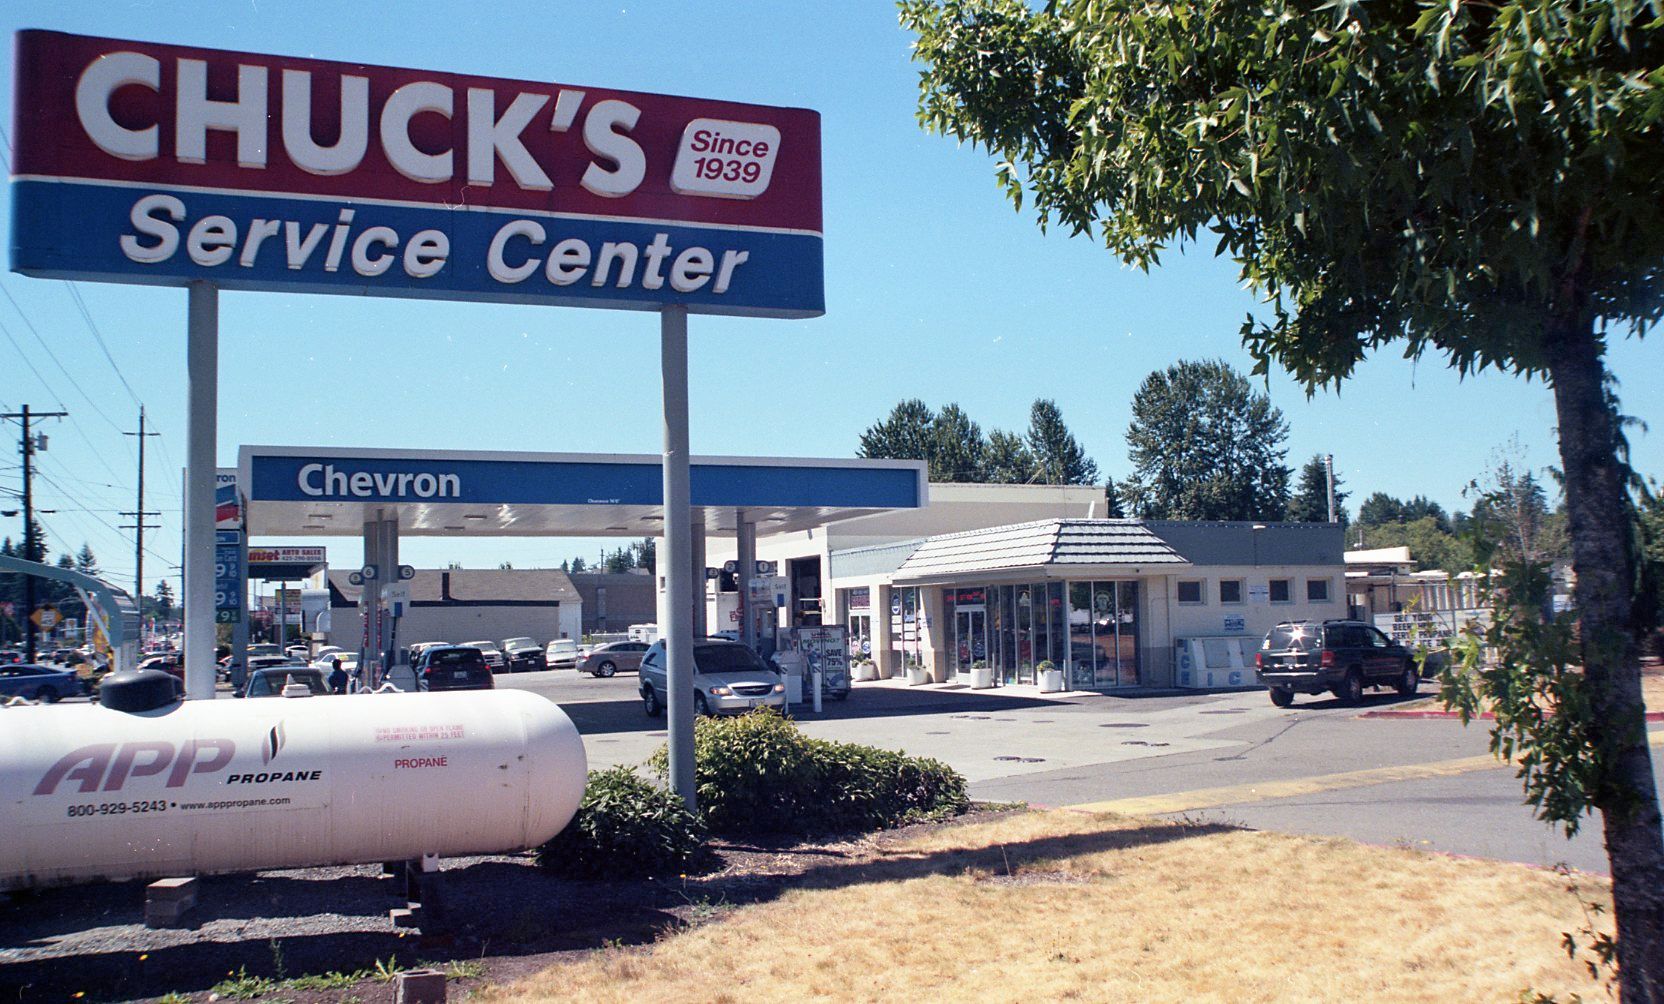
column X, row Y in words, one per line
column 146, row 163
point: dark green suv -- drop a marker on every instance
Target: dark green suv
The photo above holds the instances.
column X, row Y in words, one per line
column 1342, row 657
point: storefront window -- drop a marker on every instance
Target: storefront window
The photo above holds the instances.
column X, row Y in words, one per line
column 1081, row 663
column 1126, row 628
column 1057, row 629
column 1025, row 633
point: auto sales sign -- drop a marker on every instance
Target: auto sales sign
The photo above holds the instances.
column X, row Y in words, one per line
column 159, row 164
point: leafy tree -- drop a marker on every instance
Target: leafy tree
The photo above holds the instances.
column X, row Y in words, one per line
column 1058, row 458
column 907, row 434
column 958, row 451
column 1476, row 179
column 578, row 565
column 85, row 562
column 1510, row 516
column 647, row 553
column 1310, row 503
column 1431, row 546
column 1009, row 460
column 1204, row 445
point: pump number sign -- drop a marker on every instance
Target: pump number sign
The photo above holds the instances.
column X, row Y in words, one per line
column 146, row 163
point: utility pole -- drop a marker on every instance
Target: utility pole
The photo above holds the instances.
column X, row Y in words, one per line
column 31, row 534
column 138, row 526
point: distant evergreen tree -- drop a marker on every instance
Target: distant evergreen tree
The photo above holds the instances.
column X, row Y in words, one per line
column 1058, row 458
column 1310, row 503
column 958, row 451
column 909, row 433
column 578, row 564
column 1380, row 509
column 85, row 562
column 1009, row 460
column 1112, row 499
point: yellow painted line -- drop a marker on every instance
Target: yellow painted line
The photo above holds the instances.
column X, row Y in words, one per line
column 1258, row 791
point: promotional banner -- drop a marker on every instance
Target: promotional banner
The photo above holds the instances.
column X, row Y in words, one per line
column 148, row 163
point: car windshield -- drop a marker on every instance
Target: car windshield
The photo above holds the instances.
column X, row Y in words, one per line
column 519, row 643
column 1293, row 637
column 482, row 645
column 456, row 657
column 273, row 683
column 726, row 659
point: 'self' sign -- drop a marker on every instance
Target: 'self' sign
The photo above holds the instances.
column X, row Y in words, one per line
column 160, row 164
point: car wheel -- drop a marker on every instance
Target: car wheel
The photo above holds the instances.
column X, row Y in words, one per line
column 650, row 702
column 606, row 669
column 1282, row 697
column 700, row 705
column 1352, row 691
column 1408, row 683
column 46, row 695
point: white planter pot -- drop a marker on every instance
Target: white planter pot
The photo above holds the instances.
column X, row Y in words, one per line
column 1051, row 681
column 917, row 675
column 982, row 678
column 866, row 672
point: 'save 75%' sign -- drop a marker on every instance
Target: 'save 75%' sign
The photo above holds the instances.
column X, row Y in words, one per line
column 147, row 163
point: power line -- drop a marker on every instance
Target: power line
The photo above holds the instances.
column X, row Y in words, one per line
column 98, row 336
column 54, row 357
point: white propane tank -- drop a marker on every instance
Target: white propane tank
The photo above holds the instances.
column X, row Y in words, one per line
column 88, row 793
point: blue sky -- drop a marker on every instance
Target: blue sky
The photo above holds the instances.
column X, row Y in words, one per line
column 935, row 289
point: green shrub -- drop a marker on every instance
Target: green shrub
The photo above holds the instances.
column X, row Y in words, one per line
column 626, row 827
column 759, row 774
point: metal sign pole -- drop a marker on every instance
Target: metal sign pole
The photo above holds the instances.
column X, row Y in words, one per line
column 676, row 562
column 202, row 368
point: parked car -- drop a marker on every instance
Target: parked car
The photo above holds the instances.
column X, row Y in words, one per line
column 415, row 651
column 38, row 683
column 606, row 660
column 562, row 653
column 259, row 662
column 9, row 656
column 493, row 655
column 167, row 662
column 66, row 657
column 263, row 648
column 270, row 682
column 298, row 651
column 728, row 678
column 1343, row 657
column 455, row 667
column 523, row 655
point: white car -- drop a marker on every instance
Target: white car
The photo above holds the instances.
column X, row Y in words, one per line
column 562, row 653
column 493, row 654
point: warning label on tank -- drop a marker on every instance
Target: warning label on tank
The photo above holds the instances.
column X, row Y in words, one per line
column 411, row 733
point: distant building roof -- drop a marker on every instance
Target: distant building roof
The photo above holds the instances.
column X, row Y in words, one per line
column 1380, row 556
column 473, row 586
column 1069, row 542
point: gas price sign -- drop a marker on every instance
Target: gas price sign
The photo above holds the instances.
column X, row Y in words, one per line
column 147, row 163
column 228, row 576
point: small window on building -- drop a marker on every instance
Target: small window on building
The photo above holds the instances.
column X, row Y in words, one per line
column 1190, row 591
column 1282, row 590
column 1317, row 590
column 1230, row 590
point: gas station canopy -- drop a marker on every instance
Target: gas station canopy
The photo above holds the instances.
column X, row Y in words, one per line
column 314, row 491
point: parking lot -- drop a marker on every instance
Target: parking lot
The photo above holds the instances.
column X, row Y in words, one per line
column 1320, row 767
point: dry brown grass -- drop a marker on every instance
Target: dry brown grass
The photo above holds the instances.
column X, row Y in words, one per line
column 1069, row 906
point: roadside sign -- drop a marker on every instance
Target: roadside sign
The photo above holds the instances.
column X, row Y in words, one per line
column 162, row 164
column 46, row 618
column 286, row 555
column 228, row 504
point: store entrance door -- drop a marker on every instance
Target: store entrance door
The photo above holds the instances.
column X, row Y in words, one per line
column 970, row 633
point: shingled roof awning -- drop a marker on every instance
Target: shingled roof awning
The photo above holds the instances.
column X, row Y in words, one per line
column 1053, row 548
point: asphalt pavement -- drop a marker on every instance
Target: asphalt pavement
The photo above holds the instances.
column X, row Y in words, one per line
column 1318, row 767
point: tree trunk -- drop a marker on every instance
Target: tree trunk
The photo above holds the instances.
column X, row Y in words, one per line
column 1604, row 564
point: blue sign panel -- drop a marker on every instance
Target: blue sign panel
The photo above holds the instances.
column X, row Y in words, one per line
column 228, row 576
column 302, row 478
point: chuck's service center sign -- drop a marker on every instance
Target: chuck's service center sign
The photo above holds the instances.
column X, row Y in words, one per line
column 160, row 164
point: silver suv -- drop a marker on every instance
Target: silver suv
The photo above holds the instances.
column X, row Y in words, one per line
column 728, row 678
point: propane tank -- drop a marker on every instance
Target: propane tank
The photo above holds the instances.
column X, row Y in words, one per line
column 91, row 793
